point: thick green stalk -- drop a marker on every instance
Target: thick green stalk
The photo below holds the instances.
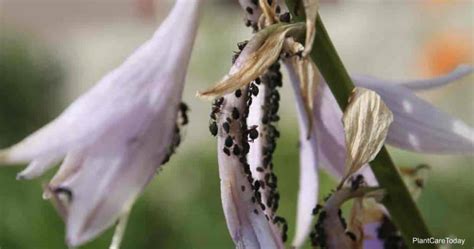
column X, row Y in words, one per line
column 398, row 200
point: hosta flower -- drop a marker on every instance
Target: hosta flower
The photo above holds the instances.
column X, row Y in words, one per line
column 115, row 136
column 416, row 126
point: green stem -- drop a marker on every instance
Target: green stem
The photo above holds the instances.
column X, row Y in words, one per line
column 398, row 200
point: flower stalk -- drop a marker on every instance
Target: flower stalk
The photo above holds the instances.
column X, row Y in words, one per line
column 398, row 201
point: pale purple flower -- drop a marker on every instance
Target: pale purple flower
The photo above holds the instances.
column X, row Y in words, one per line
column 115, row 136
column 418, row 126
column 248, row 198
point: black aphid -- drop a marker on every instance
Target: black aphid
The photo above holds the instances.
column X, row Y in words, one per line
column 238, row 93
column 226, row 127
column 249, row 10
column 241, row 45
column 228, row 141
column 226, row 151
column 213, row 128
column 235, row 113
column 236, row 150
column 253, row 133
column 285, row 17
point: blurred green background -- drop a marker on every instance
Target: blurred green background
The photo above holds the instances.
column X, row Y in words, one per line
column 44, row 68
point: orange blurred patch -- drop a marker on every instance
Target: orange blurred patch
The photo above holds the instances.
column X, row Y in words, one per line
column 445, row 51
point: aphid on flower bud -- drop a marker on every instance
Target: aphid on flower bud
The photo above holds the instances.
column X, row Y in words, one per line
column 357, row 182
column 252, row 132
column 241, row 45
column 213, row 128
column 246, row 148
column 249, row 10
column 235, row 57
column 226, row 151
column 247, row 171
column 419, row 182
column 317, row 209
column 254, row 89
column 262, row 183
column 285, row 17
column 258, row 81
column 235, row 113
column 248, row 23
column 219, row 101
column 236, row 150
column 228, row 141
column 238, row 93
column 226, row 127
column 351, row 235
column 183, row 108
column 257, row 185
column 215, row 110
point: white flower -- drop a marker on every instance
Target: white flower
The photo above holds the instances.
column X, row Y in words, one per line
column 114, row 137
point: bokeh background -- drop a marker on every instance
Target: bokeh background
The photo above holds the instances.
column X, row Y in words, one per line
column 51, row 51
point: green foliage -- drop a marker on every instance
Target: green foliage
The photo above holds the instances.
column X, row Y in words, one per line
column 29, row 79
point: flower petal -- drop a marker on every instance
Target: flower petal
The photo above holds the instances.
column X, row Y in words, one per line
column 430, row 130
column 371, row 240
column 331, row 148
column 308, row 183
column 418, row 125
column 245, row 218
column 109, row 102
column 460, row 72
column 37, row 167
column 128, row 120
column 113, row 173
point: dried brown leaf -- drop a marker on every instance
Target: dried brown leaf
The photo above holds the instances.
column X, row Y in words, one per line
column 366, row 122
column 308, row 75
column 264, row 50
column 311, row 8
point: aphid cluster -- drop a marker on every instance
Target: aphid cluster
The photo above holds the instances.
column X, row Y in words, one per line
column 252, row 10
column 388, row 233
column 281, row 222
column 238, row 136
column 181, row 121
column 318, row 235
column 272, row 80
